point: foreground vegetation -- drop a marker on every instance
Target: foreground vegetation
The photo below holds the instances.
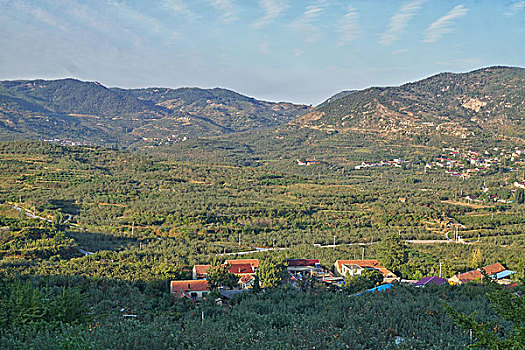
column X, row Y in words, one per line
column 147, row 219
column 280, row 318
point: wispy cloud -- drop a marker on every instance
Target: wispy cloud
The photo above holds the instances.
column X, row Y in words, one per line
column 399, row 21
column 516, row 8
column 83, row 14
column 272, row 9
column 348, row 28
column 304, row 24
column 228, row 9
column 399, row 52
column 179, row 7
column 41, row 15
column 127, row 11
column 443, row 25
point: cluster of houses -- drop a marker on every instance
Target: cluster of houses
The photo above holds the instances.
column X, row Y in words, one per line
column 495, row 271
column 67, row 142
column 469, row 162
column 395, row 163
column 299, row 269
column 198, row 288
column 169, row 139
column 460, row 163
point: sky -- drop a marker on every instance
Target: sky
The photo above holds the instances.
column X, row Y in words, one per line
column 279, row 50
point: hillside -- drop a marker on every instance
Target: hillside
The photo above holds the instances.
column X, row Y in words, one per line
column 88, row 111
column 482, row 109
column 459, row 105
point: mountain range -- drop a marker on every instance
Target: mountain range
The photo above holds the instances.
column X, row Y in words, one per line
column 485, row 100
column 488, row 101
column 91, row 112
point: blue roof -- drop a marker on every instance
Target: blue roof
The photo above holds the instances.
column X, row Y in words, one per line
column 503, row 274
column 380, row 288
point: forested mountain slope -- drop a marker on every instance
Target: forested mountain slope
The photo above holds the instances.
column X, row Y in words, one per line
column 88, row 111
column 461, row 105
column 484, row 108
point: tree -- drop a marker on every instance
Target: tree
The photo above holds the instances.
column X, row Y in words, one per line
column 509, row 307
column 392, row 253
column 477, row 258
column 256, row 284
column 270, row 273
column 368, row 279
column 220, row 276
column 59, row 220
column 519, row 196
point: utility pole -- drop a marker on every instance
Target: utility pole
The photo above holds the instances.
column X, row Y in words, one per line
column 239, row 238
column 133, row 229
column 363, row 255
column 274, row 244
column 440, row 263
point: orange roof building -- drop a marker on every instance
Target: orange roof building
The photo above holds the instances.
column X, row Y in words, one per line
column 355, row 267
column 199, row 271
column 253, row 262
column 473, row 275
column 493, row 269
column 241, row 269
column 191, row 289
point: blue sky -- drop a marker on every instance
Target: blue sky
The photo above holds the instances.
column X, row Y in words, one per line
column 280, row 50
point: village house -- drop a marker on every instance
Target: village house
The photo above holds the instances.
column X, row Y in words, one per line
column 194, row 290
column 311, row 268
column 253, row 262
column 495, row 271
column 240, row 267
column 356, row 267
column 199, row 271
column 246, row 282
column 295, row 266
column 241, row 270
column 245, row 269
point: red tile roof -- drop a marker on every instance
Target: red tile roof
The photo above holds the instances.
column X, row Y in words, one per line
column 253, row 262
column 493, row 269
column 302, row 262
column 239, row 269
column 473, row 275
column 177, row 287
column 469, row 276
